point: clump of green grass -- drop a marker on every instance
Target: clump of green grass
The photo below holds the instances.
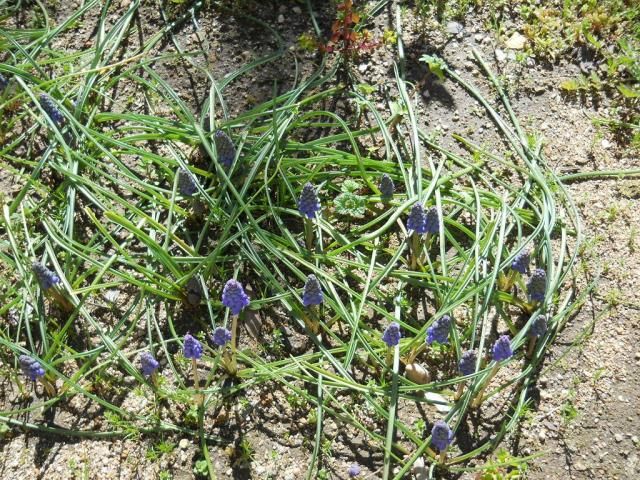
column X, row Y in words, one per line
column 101, row 205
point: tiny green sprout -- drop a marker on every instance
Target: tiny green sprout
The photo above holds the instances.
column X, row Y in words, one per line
column 200, row 468
column 366, row 89
column 389, row 37
column 307, row 42
column 350, row 185
column 350, row 205
column 247, row 452
column 436, row 65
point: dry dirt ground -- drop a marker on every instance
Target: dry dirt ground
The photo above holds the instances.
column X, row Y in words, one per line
column 586, row 419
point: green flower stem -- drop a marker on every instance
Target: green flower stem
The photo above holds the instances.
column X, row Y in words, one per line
column 48, row 386
column 196, row 381
column 459, row 391
column 311, row 319
column 416, row 245
column 415, row 352
column 308, row 233
column 529, row 307
column 532, row 346
column 479, row 396
column 389, row 359
column 203, row 442
column 60, row 299
column 233, row 363
column 442, row 459
column 154, row 379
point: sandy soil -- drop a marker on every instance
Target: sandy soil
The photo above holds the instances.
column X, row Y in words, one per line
column 586, row 419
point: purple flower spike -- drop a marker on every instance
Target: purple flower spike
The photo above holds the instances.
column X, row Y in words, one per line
column 312, row 294
column 192, row 347
column 353, row 471
column 439, row 330
column 225, row 149
column 432, row 222
column 441, row 435
column 186, row 183
column 387, row 187
column 221, row 336
column 502, row 349
column 417, row 220
column 233, row 296
column 309, row 203
column 49, row 106
column 467, row 365
column 46, row 278
column 148, row 364
column 537, row 285
column 539, row 326
column 30, row 367
column 392, row 335
column 4, row 83
column 521, row 261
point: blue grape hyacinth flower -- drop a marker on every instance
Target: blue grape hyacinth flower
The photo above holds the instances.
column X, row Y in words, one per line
column 30, row 367
column 186, row 183
column 439, row 330
column 309, row 203
column 502, row 349
column 417, row 220
column 391, row 335
column 148, row 364
column 521, row 262
column 225, row 148
column 221, row 336
column 312, row 294
column 537, row 285
column 432, row 221
column 233, row 296
column 353, row 471
column 441, row 435
column 46, row 278
column 4, row 83
column 49, row 106
column 467, row 365
column 387, row 187
column 539, row 326
column 192, row 348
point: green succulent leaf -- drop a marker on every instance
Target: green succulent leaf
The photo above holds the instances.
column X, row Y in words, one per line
column 351, row 205
column 350, row 186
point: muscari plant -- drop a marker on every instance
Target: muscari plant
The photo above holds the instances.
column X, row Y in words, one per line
column 422, row 224
column 149, row 366
column 32, row 369
column 137, row 239
column 234, row 298
column 225, row 149
column 309, row 205
column 50, row 284
column 387, row 188
column 501, row 352
column 192, row 350
column 312, row 298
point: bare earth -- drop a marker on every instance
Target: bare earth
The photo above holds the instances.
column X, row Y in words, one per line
column 586, row 420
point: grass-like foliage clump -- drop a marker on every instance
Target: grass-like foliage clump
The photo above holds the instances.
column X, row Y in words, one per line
column 179, row 256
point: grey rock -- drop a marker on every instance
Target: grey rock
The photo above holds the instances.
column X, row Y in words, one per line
column 455, row 28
